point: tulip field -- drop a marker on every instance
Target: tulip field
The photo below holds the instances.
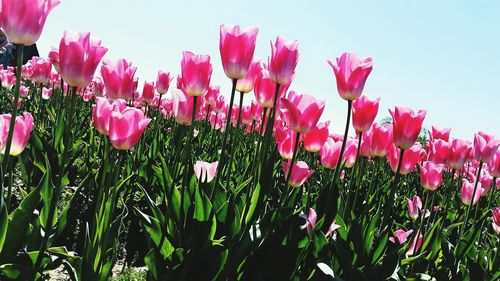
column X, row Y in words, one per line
column 188, row 183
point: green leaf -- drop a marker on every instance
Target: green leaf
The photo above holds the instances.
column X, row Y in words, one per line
column 4, row 223
column 202, row 206
column 253, row 204
column 381, row 248
column 153, row 228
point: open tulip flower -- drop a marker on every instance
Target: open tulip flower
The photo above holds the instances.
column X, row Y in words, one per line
column 126, row 127
column 41, row 70
column 119, row 79
column 204, row 171
column 471, row 193
column 163, row 82
column 439, row 134
column 431, row 175
column 410, row 158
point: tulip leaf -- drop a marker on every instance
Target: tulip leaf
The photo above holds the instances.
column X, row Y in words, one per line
column 4, row 223
column 253, row 204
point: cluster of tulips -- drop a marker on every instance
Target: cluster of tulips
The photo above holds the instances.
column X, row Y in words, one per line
column 196, row 188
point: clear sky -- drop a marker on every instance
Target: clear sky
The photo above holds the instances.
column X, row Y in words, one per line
column 442, row 56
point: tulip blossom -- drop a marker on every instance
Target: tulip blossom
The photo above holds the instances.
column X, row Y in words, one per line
column 204, row 171
column 265, row 89
column 351, row 73
column 379, row 139
column 118, row 78
column 23, row 20
column 182, row 107
column 54, row 58
column 163, row 82
column 314, row 140
column 468, row 190
column 406, row 126
column 496, row 219
column 237, row 47
column 401, row 235
column 24, row 91
column 196, row 73
column 439, row 134
column 302, row 112
column 148, row 92
column 459, row 150
column 46, row 93
column 494, row 165
column 415, row 244
column 22, row 131
column 8, row 79
column 256, row 110
column 439, row 151
column 79, row 56
column 329, row 153
column 410, row 158
column 286, row 145
column 311, row 219
column 126, row 127
column 212, row 95
column 41, row 70
column 414, row 207
column 331, row 229
column 349, row 156
column 300, row 173
column 245, row 84
column 101, row 113
column 284, row 58
column 485, row 146
column 431, row 175
column 364, row 111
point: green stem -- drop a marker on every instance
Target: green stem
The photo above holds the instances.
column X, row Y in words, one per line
column 472, row 200
column 344, row 141
column 390, row 201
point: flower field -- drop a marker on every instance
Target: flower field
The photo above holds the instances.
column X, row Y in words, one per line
column 190, row 184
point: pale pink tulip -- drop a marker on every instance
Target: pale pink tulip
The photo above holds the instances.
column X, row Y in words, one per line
column 101, row 113
column 118, row 78
column 329, row 153
column 302, row 112
column 22, row 131
column 468, row 190
column 494, row 165
column 246, row 84
column 204, row 171
column 414, row 207
column 311, row 219
column 431, row 175
column 485, row 146
column 41, row 70
column 410, row 159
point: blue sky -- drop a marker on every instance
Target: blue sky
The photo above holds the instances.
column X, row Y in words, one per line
column 441, row 56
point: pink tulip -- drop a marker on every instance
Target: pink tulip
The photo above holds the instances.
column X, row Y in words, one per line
column 494, row 165
column 431, row 175
column 265, row 89
column 126, row 127
column 329, row 153
column 22, row 131
column 219, row 105
column 118, row 78
column 24, row 91
column 314, row 140
column 284, row 58
column 23, row 20
column 196, row 73
column 496, row 219
column 246, row 115
column 286, row 145
column 468, row 190
column 459, row 150
column 182, row 107
column 349, row 156
column 300, row 173
column 410, row 159
column 41, row 70
column 245, row 84
column 148, row 92
column 439, row 151
column 46, row 93
column 302, row 112
column 415, row 244
column 364, row 111
column 163, row 82
column 351, row 73
column 332, row 229
column 401, row 235
column 485, row 146
column 204, row 171
column 237, row 47
column 256, row 110
column 79, row 56
column 212, row 96
column 8, row 79
column 54, row 57
column 438, row 134
column 414, row 207
column 406, row 126
column 311, row 219
column 486, row 181
column 381, row 139
column 101, row 113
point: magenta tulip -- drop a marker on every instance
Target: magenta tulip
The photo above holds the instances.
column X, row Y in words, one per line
column 314, row 140
column 54, row 57
column 163, row 82
column 494, row 165
column 300, row 173
column 379, row 139
column 22, row 131
column 406, row 126
column 439, row 134
column 246, row 84
column 351, row 73
column 329, row 153
column 311, row 219
column 414, row 207
column 148, row 92
column 410, row 159
column 237, row 47
column 496, row 219
column 401, row 235
column 118, row 78
column 79, row 56
column 439, row 151
column 302, row 112
column 126, row 127
column 468, row 190
column 364, row 111
column 331, row 229
column 23, row 20
column 46, row 93
column 485, row 146
column 459, row 151
column 265, row 88
column 349, row 156
column 196, row 73
column 415, row 244
column 41, row 70
column 101, row 113
column 182, row 107
column 204, row 171
column 431, row 175
column 284, row 58
column 286, row 145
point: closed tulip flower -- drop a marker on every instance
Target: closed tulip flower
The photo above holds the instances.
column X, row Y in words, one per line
column 459, row 151
column 381, row 139
column 351, row 73
column 182, row 107
column 414, row 207
column 311, row 219
column 284, row 58
column 237, row 47
column 302, row 112
column 148, row 92
column 79, row 56
column 364, row 111
column 468, row 190
column 496, row 219
column 286, row 145
column 314, row 140
column 431, row 175
column 22, row 131
column 407, row 125
column 118, row 78
column 46, row 93
column 101, row 113
column 410, row 158
column 329, row 153
column 163, row 82
column 23, row 20
column 265, row 88
column 246, row 84
column 494, row 165
column 54, row 58
column 126, row 127
column 300, row 173
column 196, row 73
column 439, row 151
column 439, row 134
column 204, row 171
column 485, row 146
column 41, row 70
